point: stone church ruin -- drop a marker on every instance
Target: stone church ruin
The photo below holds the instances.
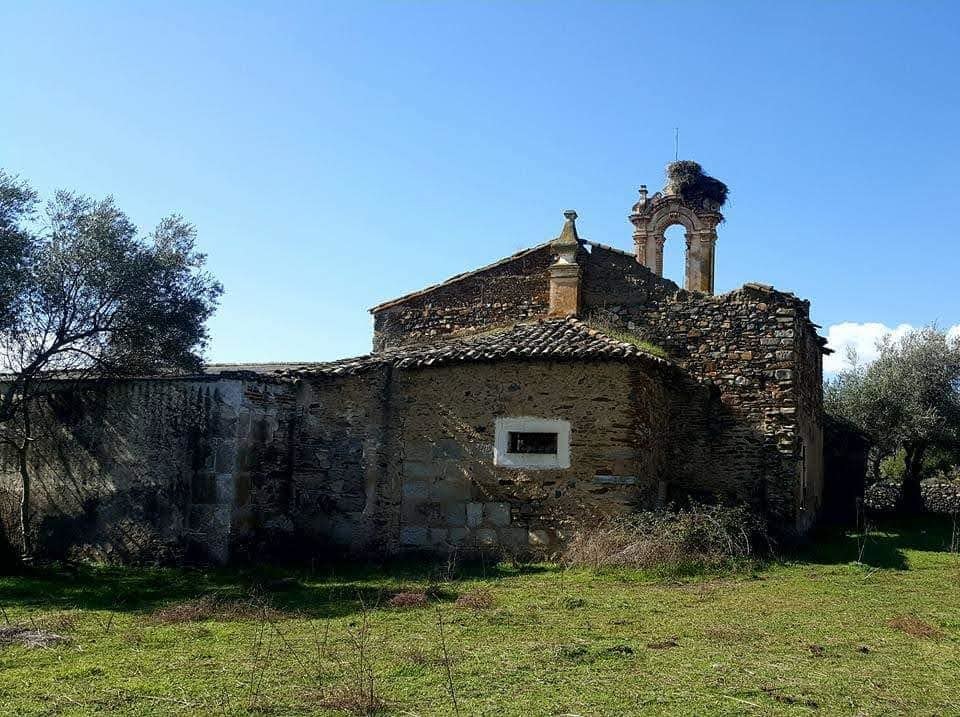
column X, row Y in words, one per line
column 565, row 383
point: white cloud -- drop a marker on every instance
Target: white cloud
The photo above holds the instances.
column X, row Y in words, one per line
column 863, row 338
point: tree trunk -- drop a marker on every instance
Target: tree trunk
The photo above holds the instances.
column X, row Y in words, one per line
column 26, row 544
column 875, row 460
column 911, row 499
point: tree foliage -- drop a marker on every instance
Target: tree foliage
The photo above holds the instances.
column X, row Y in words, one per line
column 907, row 400
column 85, row 296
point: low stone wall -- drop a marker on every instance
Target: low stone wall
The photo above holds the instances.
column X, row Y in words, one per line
column 938, row 496
column 134, row 471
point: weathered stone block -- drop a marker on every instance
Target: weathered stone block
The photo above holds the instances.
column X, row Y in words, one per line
column 497, row 513
column 420, row 469
column 457, row 535
column 538, row 538
column 486, row 537
column 438, row 536
column 414, row 537
column 474, row 514
column 416, row 489
column 453, row 487
column 456, row 514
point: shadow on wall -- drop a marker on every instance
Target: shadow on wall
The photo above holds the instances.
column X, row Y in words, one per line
column 117, row 471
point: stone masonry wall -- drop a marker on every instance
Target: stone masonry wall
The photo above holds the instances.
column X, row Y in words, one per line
column 515, row 289
column 452, row 494
column 214, row 469
column 614, row 278
column 131, row 471
column 511, row 290
column 757, row 346
column 261, row 521
column 641, row 435
column 808, row 446
column 345, row 490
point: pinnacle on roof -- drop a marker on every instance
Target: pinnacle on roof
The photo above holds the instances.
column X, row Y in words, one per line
column 568, row 235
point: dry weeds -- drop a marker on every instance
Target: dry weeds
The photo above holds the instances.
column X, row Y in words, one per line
column 352, row 701
column 210, row 607
column 408, row 600
column 476, row 599
column 664, row 644
column 915, row 627
column 29, row 637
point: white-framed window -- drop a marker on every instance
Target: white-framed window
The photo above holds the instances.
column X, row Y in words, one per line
column 531, row 443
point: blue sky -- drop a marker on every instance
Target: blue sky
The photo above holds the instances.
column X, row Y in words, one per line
column 333, row 156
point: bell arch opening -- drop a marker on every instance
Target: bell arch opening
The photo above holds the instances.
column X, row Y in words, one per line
column 689, row 230
column 675, row 254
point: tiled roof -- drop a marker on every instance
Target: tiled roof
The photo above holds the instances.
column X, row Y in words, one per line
column 551, row 339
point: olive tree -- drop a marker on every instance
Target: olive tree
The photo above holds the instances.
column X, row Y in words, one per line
column 92, row 298
column 908, row 400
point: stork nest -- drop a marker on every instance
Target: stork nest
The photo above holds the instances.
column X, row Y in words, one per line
column 687, row 179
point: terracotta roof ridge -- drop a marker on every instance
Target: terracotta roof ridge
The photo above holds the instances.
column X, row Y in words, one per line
column 552, row 338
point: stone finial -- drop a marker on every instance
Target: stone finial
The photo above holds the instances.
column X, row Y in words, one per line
column 565, row 271
column 568, row 235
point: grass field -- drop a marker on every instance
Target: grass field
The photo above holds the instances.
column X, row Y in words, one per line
column 817, row 633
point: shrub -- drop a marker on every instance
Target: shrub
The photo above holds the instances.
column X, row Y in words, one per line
column 698, row 537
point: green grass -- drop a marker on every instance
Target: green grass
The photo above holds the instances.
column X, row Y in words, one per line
column 604, row 324
column 628, row 337
column 807, row 635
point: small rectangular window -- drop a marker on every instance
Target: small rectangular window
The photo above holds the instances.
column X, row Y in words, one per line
column 539, row 443
column 531, row 443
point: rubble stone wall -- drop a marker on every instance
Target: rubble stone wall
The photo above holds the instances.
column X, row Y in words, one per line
column 452, row 494
column 641, row 436
column 758, row 347
column 345, row 489
column 514, row 289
